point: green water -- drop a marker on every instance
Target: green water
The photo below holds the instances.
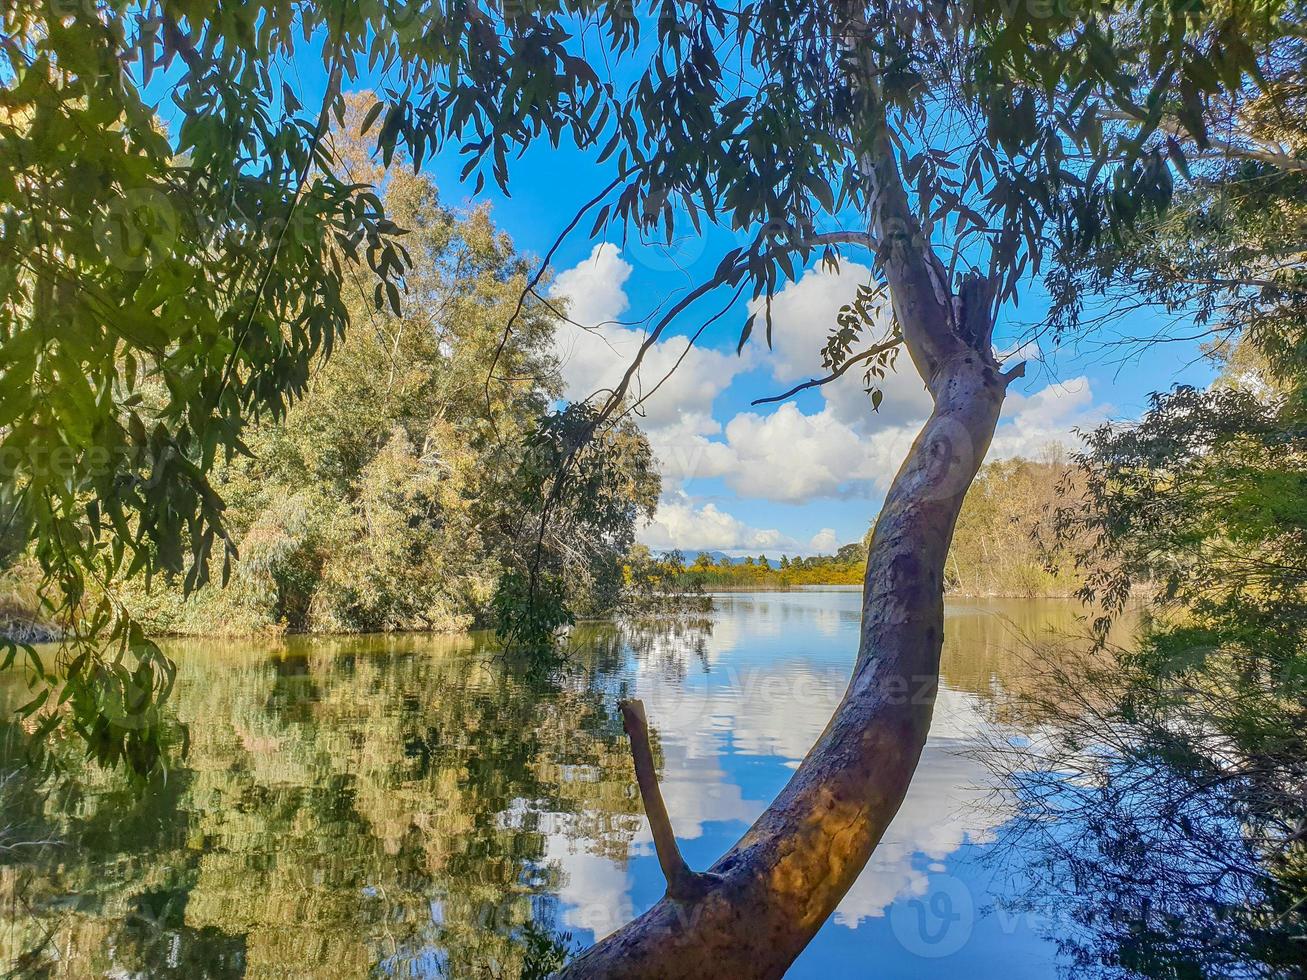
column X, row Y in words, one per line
column 410, row 805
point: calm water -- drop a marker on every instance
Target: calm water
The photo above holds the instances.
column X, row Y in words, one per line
column 406, row 806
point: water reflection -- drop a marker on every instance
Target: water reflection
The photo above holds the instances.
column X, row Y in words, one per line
column 413, row 805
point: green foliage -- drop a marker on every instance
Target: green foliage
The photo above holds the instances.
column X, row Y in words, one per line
column 367, row 508
column 995, row 551
column 1231, row 254
column 1206, row 498
column 404, row 490
column 530, row 612
column 544, row 952
column 158, row 291
column 1025, row 90
column 658, row 585
column 1195, row 811
column 843, row 568
column 397, row 488
column 566, row 519
column 163, row 288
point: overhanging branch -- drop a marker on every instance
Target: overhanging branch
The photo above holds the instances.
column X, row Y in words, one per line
column 841, row 238
column 1263, row 152
column 818, row 382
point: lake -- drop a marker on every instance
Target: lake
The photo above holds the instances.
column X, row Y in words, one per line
column 410, row 805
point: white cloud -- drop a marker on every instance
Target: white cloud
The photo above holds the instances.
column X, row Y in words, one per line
column 803, row 316
column 1033, row 422
column 595, row 288
column 596, row 893
column 594, row 356
column 781, row 454
column 681, row 523
column 825, row 541
column 792, row 457
column 789, row 456
column 685, row 451
column 845, row 449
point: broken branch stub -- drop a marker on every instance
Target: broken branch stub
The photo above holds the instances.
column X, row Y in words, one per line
column 682, row 883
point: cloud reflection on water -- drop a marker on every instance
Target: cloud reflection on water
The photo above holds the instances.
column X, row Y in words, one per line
column 733, row 724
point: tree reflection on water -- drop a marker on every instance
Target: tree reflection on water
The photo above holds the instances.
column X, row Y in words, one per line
column 343, row 805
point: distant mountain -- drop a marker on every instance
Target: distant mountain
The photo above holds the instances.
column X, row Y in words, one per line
column 715, row 556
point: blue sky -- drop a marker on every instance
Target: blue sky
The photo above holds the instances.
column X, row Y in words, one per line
column 799, row 477
column 805, row 475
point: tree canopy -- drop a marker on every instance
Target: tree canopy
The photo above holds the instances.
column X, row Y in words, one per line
column 1186, row 747
column 210, row 252
column 964, row 149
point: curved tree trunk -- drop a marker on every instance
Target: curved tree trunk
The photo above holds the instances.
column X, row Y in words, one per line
column 756, row 909
column 759, row 906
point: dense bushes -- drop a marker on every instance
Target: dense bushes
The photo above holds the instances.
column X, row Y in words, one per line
column 845, row 567
column 410, row 480
column 996, row 550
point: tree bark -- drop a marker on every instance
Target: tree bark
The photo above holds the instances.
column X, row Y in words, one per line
column 773, row 890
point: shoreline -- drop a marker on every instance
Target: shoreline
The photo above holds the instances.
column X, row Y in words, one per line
column 24, row 630
column 800, row 587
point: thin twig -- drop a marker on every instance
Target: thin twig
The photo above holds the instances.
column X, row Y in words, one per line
column 818, row 382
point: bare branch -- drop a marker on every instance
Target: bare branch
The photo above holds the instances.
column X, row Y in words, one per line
column 544, row 267
column 654, row 335
column 818, row 382
column 694, row 339
column 726, row 275
column 840, row 238
column 681, row 881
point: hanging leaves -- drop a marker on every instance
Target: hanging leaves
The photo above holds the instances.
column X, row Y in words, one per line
column 199, row 267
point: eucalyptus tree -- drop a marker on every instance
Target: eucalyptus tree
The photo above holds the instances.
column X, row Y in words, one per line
column 957, row 145
column 960, row 148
